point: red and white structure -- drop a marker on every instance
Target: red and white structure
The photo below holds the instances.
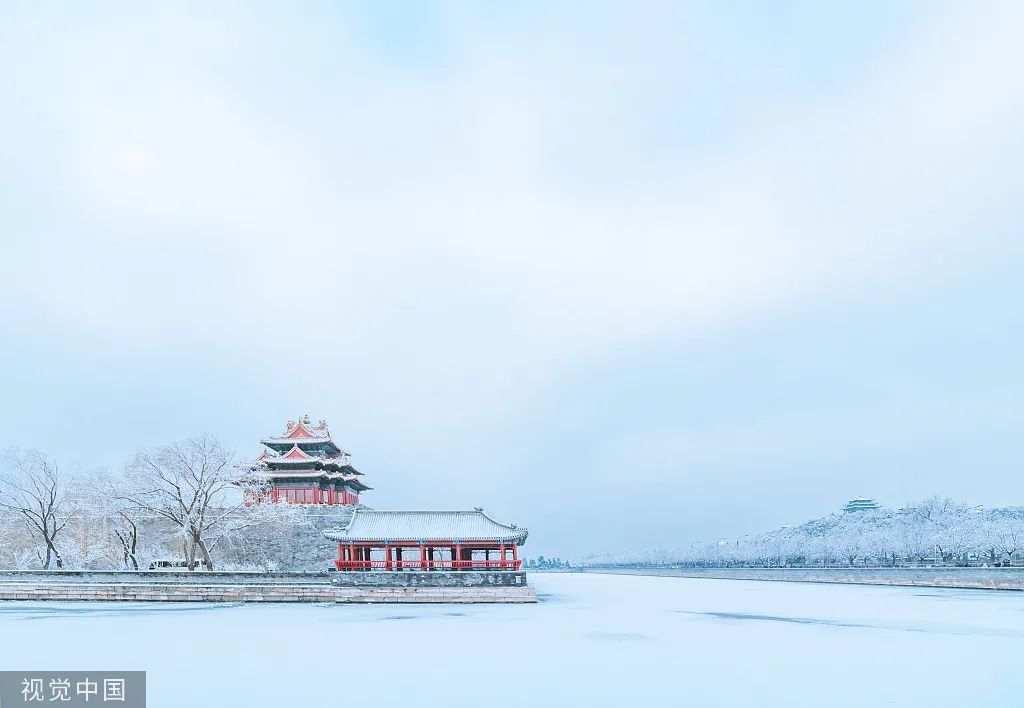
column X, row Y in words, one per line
column 426, row 540
column 303, row 465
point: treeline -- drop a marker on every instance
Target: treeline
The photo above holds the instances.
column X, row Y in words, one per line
column 180, row 504
column 542, row 563
column 932, row 533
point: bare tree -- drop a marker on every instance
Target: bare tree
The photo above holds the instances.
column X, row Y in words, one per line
column 915, row 538
column 32, row 489
column 127, row 532
column 1009, row 537
column 124, row 519
column 186, row 484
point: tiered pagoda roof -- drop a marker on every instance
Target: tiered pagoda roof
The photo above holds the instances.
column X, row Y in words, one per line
column 306, row 452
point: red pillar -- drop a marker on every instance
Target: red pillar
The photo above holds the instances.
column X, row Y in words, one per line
column 515, row 557
column 458, row 554
column 423, row 557
column 501, row 556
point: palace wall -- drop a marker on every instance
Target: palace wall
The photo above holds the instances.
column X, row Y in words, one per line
column 158, row 586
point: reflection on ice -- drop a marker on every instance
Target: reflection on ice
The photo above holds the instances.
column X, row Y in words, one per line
column 775, row 618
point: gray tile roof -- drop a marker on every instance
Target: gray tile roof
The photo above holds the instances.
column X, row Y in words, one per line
column 386, row 526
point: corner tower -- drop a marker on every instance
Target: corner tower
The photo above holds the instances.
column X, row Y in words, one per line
column 303, row 465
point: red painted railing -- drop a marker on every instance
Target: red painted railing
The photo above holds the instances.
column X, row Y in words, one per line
column 429, row 565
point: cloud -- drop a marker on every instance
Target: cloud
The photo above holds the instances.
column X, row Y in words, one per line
column 441, row 236
column 353, row 191
column 427, row 181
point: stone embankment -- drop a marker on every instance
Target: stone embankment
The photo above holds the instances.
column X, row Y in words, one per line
column 147, row 586
column 966, row 578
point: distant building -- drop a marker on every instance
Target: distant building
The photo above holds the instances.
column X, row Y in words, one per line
column 303, row 465
column 861, row 504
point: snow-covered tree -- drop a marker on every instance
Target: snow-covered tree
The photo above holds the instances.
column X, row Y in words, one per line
column 937, row 530
column 187, row 484
column 32, row 488
column 1008, row 536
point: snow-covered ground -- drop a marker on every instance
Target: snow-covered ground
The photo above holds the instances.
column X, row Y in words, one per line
column 594, row 640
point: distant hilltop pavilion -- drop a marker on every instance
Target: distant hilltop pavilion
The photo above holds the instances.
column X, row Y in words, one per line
column 303, row 466
column 861, row 504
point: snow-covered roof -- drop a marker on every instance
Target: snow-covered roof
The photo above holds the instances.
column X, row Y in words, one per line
column 301, row 431
column 309, row 462
column 304, row 440
column 317, row 474
column 295, row 453
column 456, row 526
column 861, row 504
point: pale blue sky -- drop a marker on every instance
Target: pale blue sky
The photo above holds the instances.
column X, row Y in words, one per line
column 702, row 268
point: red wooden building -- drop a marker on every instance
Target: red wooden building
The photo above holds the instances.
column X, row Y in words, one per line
column 303, row 466
column 426, row 540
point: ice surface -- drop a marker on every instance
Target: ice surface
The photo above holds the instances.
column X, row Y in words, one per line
column 594, row 640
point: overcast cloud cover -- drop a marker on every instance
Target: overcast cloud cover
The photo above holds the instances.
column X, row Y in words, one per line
column 658, row 271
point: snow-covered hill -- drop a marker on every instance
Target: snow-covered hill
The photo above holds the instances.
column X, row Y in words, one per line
column 932, row 532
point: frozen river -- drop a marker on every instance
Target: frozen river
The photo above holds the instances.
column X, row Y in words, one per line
column 594, row 640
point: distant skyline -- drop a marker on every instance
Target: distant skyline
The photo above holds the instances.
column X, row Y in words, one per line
column 625, row 274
